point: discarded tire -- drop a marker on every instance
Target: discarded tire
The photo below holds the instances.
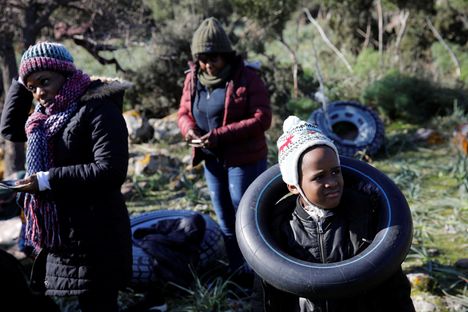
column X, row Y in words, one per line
column 332, row 280
column 352, row 126
column 211, row 248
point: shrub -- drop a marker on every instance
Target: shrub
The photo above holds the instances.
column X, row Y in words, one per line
column 411, row 99
column 302, row 107
column 157, row 87
column 278, row 81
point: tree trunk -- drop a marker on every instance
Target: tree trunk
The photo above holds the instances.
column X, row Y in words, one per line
column 14, row 153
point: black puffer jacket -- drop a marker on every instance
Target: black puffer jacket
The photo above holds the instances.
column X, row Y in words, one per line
column 343, row 232
column 91, row 159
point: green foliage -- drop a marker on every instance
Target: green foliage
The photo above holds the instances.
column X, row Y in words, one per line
column 87, row 62
column 270, row 14
column 444, row 63
column 450, row 21
column 207, row 295
column 307, row 83
column 278, row 80
column 159, row 81
column 169, row 10
column 418, row 37
column 111, row 21
column 366, row 63
column 302, row 107
column 418, row 5
column 349, row 16
column 411, row 99
column 457, row 117
column 157, row 88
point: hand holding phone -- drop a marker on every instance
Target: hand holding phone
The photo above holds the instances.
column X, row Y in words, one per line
column 28, row 185
column 10, row 184
column 195, row 142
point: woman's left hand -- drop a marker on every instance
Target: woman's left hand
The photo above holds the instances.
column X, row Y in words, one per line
column 28, row 185
column 207, row 140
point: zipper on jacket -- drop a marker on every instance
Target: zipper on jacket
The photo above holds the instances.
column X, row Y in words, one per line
column 322, row 252
column 320, row 237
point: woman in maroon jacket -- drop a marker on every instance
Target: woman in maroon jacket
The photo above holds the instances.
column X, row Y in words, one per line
column 224, row 113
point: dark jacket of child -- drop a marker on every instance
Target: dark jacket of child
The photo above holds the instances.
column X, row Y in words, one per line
column 341, row 234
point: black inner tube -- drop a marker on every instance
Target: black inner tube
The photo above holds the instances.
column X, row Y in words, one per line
column 330, row 280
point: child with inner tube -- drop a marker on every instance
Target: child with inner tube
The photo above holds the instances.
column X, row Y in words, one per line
column 327, row 223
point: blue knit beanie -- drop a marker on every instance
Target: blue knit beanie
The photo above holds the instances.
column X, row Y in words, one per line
column 46, row 56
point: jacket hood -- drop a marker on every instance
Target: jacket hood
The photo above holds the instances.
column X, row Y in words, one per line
column 104, row 86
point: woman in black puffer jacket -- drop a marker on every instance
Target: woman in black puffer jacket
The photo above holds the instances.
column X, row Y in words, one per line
column 76, row 220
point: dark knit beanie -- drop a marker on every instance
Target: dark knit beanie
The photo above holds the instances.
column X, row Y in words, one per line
column 46, row 56
column 210, row 37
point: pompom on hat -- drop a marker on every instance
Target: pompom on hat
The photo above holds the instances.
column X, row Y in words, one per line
column 297, row 137
column 46, row 56
column 210, row 37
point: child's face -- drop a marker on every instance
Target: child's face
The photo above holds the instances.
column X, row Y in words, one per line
column 321, row 180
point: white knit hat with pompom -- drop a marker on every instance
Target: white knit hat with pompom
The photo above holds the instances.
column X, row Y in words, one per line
column 297, row 137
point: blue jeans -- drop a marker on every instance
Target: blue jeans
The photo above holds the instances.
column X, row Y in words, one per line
column 226, row 186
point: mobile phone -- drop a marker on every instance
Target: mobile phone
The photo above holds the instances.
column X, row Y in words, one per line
column 10, row 184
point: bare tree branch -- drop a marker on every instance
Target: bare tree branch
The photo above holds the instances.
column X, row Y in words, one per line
column 454, row 58
column 327, row 41
column 380, row 16
column 63, row 30
column 367, row 35
column 401, row 31
column 94, row 48
column 293, row 56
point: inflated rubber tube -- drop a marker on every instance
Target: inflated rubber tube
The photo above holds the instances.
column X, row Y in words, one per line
column 331, row 280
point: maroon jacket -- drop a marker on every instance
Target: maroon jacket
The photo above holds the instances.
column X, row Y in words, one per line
column 247, row 115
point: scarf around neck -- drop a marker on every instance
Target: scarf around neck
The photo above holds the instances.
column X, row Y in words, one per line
column 210, row 81
column 314, row 211
column 42, row 222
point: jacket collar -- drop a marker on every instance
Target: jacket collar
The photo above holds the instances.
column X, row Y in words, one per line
column 304, row 215
column 103, row 86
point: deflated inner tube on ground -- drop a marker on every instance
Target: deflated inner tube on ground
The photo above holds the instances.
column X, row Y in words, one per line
column 211, row 248
column 352, row 126
column 332, row 280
